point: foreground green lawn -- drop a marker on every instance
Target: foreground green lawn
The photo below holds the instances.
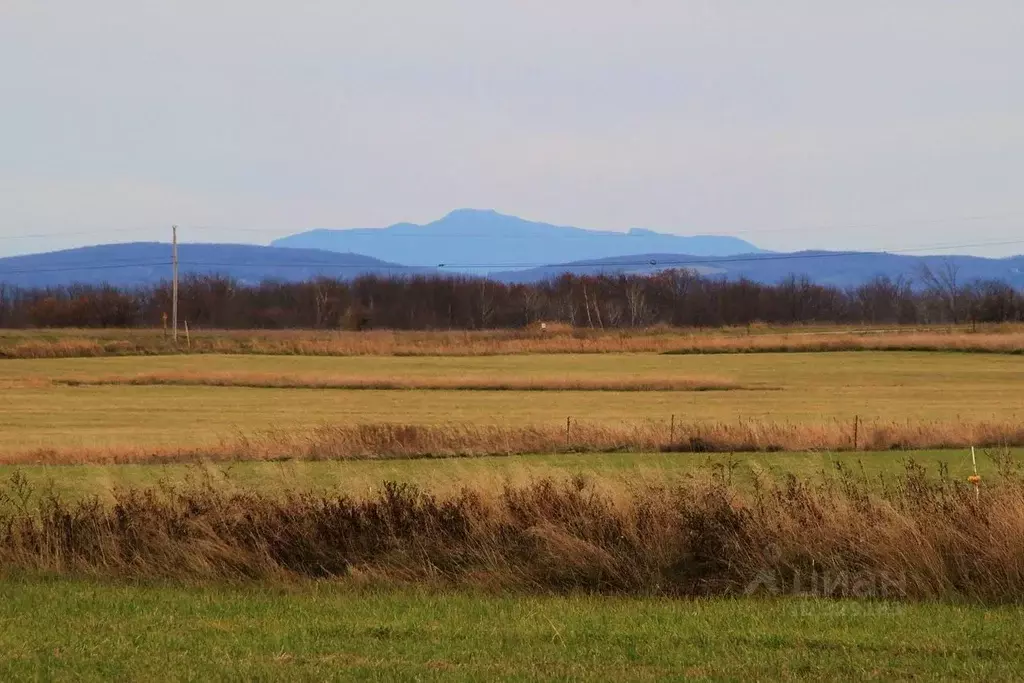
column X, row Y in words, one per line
column 447, row 475
column 65, row 629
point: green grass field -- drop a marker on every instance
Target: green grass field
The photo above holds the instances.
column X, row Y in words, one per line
column 807, row 387
column 359, row 477
column 83, row 630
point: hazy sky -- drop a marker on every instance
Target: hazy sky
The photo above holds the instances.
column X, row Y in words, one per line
column 861, row 124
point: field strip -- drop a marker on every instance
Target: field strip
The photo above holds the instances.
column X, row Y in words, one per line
column 610, row 471
column 78, row 343
column 381, row 441
column 341, row 630
column 437, row 383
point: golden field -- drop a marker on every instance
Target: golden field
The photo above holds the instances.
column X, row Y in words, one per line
column 51, row 403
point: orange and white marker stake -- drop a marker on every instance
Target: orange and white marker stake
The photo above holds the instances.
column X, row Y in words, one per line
column 975, row 478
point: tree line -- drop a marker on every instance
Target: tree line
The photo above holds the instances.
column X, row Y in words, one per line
column 673, row 297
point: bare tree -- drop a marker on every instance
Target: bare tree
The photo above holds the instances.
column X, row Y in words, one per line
column 882, row 299
column 637, row 303
column 321, row 297
column 943, row 283
column 586, row 304
column 532, row 301
column 486, row 304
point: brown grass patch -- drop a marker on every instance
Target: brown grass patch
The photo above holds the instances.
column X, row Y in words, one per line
column 439, row 383
column 923, row 538
column 77, row 348
column 964, row 342
column 397, row 441
column 557, row 339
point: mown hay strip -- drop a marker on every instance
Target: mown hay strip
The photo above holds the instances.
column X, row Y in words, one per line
column 439, row 383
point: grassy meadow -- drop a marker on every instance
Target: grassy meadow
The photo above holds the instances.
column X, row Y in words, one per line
column 93, row 631
column 43, row 411
column 274, row 505
column 449, row 475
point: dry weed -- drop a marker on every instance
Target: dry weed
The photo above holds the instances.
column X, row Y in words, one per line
column 925, row 538
column 395, row 441
column 558, row 339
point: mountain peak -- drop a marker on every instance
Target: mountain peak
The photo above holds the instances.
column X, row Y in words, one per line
column 484, row 236
column 469, row 218
column 469, row 213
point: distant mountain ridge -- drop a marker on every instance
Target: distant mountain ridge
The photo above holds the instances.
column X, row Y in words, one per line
column 841, row 269
column 146, row 263
column 478, row 241
column 141, row 263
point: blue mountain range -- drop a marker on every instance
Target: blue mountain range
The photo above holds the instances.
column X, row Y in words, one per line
column 470, row 240
column 839, row 268
column 477, row 243
column 143, row 263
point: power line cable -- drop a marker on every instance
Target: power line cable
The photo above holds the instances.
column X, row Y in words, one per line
column 602, row 263
column 384, row 231
column 729, row 259
column 74, row 233
column 104, row 266
column 593, row 263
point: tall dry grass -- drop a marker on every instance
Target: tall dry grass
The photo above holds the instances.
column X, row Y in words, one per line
column 924, row 538
column 453, row 440
column 72, row 343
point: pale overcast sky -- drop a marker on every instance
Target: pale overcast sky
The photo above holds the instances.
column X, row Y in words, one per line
column 863, row 124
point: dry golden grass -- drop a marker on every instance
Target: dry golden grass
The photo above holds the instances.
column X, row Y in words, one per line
column 1011, row 343
column 923, row 538
column 395, row 441
column 558, row 339
column 779, row 388
column 436, row 383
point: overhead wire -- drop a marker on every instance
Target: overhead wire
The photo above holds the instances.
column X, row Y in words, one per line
column 72, row 233
column 642, row 232
column 610, row 264
column 594, row 263
column 384, row 232
column 78, row 267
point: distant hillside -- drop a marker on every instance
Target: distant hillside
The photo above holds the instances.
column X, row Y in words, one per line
column 140, row 263
column 832, row 268
column 475, row 241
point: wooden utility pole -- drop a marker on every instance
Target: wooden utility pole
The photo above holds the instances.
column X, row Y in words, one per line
column 174, row 282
